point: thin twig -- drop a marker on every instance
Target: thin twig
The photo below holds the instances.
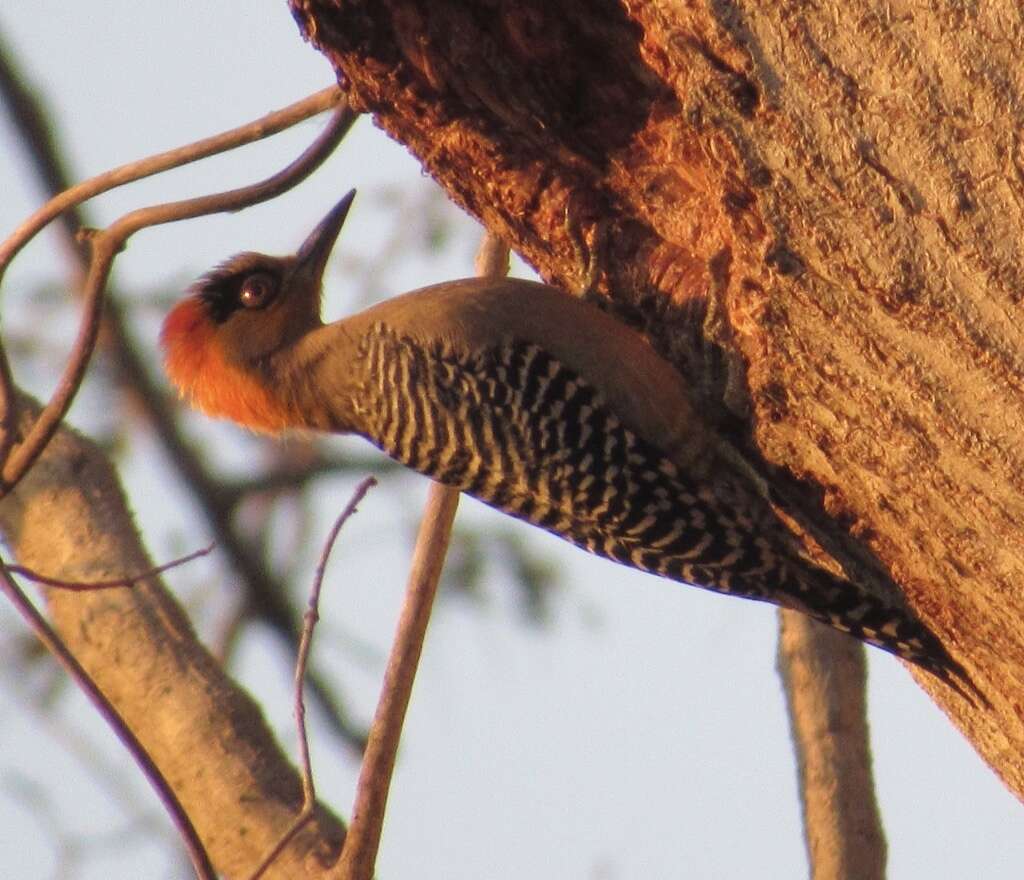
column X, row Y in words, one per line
column 266, row 597
column 85, row 586
column 193, row 845
column 269, row 601
column 25, row 114
column 109, row 242
column 362, row 841
column 264, row 127
column 309, row 622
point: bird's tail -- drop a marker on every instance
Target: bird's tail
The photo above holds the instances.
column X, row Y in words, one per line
column 849, row 608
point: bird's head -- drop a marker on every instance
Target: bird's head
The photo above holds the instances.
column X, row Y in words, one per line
column 220, row 342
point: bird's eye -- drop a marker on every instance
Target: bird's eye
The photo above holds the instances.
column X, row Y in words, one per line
column 257, row 290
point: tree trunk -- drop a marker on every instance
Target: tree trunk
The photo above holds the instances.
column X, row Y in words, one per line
column 813, row 209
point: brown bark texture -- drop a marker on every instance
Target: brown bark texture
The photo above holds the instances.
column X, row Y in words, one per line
column 813, row 209
column 68, row 519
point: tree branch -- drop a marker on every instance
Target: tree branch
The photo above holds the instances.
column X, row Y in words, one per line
column 305, row 644
column 207, row 736
column 825, row 677
column 55, row 645
column 266, row 595
column 106, row 244
column 360, row 852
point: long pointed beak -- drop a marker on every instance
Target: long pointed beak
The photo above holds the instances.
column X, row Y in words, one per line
column 312, row 256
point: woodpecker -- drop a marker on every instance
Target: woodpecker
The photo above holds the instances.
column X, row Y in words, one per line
column 532, row 400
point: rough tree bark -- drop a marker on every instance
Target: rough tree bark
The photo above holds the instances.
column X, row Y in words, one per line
column 823, row 198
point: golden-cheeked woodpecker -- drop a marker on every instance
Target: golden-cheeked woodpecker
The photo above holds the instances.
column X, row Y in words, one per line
column 530, row 399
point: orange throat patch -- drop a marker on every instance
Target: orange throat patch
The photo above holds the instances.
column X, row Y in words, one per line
column 196, row 363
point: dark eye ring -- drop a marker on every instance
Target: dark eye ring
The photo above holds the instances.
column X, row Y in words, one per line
column 257, row 290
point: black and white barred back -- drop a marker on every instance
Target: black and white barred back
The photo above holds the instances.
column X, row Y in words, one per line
column 515, row 428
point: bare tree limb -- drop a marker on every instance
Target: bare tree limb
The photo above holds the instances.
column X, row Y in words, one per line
column 106, row 244
column 309, row 623
column 261, row 128
column 114, row 583
column 266, row 595
column 825, row 678
column 207, row 736
column 55, row 645
column 360, row 852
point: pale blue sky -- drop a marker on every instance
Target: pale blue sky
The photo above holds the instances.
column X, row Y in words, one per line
column 641, row 735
